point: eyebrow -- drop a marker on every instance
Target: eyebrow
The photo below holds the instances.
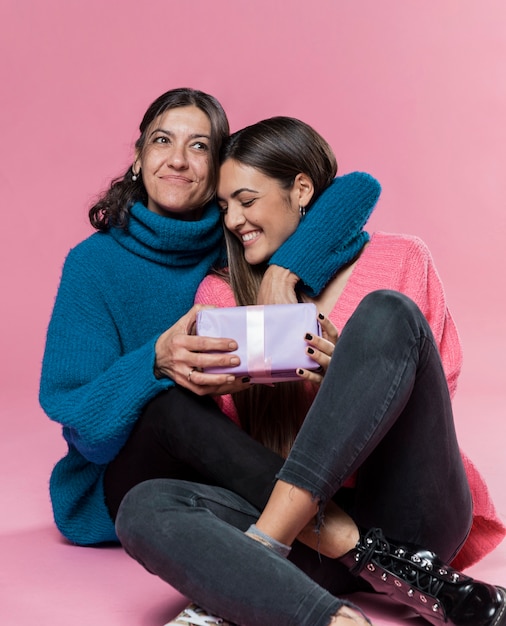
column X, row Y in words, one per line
column 171, row 134
column 238, row 191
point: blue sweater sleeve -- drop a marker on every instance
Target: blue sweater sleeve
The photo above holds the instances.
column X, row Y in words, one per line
column 88, row 384
column 331, row 234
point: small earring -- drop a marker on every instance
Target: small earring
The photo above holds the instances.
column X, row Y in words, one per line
column 135, row 176
column 302, row 211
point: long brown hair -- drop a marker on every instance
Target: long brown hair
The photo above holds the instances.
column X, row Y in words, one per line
column 113, row 208
column 280, row 148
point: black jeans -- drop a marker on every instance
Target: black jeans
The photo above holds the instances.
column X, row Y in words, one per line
column 383, row 413
column 186, row 437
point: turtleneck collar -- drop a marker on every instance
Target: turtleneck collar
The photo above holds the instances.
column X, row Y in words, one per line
column 169, row 241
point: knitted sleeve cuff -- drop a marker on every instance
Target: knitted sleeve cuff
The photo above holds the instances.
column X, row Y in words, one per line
column 102, row 420
column 331, row 234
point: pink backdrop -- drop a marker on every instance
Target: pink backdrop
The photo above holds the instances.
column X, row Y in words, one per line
column 413, row 92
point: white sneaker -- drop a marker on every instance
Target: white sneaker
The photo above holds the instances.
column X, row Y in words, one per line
column 193, row 615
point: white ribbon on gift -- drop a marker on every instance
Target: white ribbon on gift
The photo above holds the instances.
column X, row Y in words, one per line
column 255, row 342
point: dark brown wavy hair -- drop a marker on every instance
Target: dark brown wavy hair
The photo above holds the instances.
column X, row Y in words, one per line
column 113, row 208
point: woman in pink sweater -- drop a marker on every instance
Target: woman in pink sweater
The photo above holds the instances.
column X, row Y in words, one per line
column 376, row 454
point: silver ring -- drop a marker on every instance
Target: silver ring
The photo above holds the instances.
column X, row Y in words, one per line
column 190, row 374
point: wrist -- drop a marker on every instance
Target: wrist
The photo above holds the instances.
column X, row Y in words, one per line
column 283, row 274
column 157, row 371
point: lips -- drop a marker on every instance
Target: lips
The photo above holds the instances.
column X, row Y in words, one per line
column 176, row 179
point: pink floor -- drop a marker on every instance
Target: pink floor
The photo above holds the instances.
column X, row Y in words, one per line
column 45, row 581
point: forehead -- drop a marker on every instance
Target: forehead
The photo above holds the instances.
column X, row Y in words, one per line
column 187, row 120
column 234, row 175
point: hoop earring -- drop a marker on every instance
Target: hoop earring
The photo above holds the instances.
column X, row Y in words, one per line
column 302, row 211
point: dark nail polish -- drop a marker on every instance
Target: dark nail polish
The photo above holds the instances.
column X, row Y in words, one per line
column 321, row 316
column 245, row 379
column 308, row 337
column 300, row 372
column 310, row 351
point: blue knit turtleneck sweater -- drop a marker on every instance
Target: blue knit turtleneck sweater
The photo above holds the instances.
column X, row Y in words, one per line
column 119, row 291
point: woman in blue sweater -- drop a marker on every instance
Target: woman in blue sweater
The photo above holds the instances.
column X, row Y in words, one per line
column 121, row 369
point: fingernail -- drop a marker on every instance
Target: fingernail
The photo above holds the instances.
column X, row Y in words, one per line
column 300, row 372
column 235, row 360
column 310, row 351
column 308, row 336
column 321, row 316
column 246, row 379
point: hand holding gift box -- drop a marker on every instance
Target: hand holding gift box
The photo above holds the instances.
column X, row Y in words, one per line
column 270, row 338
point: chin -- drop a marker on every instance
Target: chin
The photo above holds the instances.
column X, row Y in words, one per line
column 256, row 260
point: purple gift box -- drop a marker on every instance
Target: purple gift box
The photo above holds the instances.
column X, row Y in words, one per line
column 270, row 338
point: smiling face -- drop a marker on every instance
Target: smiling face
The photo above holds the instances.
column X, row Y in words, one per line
column 174, row 163
column 257, row 210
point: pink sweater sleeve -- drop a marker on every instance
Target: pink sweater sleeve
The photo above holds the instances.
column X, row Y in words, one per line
column 424, row 286
column 215, row 291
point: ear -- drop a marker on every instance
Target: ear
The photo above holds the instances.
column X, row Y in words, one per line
column 302, row 190
column 137, row 164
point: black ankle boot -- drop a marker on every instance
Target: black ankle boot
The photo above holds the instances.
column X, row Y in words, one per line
column 418, row 579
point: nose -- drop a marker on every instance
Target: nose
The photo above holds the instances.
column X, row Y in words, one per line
column 177, row 157
column 234, row 217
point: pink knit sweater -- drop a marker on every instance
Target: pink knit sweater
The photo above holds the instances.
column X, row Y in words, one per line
column 401, row 263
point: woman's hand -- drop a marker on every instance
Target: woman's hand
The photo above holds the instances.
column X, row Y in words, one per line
column 320, row 349
column 278, row 286
column 181, row 356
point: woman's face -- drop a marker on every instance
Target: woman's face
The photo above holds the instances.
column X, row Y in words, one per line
column 256, row 209
column 175, row 165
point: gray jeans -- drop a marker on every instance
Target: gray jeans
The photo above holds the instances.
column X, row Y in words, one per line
column 383, row 413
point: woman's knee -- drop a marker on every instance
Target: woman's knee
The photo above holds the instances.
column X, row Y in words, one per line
column 388, row 301
column 387, row 309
